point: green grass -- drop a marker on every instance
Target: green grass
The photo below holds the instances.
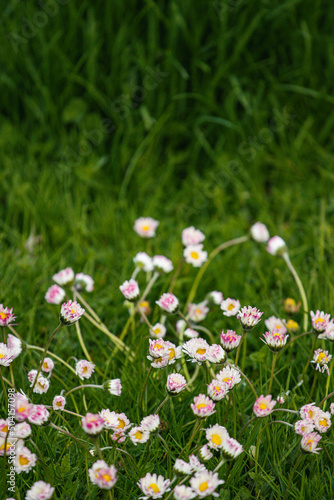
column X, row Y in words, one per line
column 234, row 126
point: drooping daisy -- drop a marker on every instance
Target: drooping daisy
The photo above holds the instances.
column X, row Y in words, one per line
column 38, row 415
column 215, row 298
column 143, row 261
column 103, row 475
column 24, row 459
column 276, row 246
column 275, row 340
column 249, row 317
column 230, row 307
column 114, row 386
column 158, row 331
column 231, row 448
column 6, row 315
column 168, row 302
column 264, row 405
column 321, row 359
column 205, row 483
column 58, row 403
column 195, row 255
column 22, row 407
column 309, row 411
column 15, row 345
column 92, row 424
column 175, row 383
column 115, row 421
column 153, row 486
column 64, row 277
column 161, row 264
column 47, row 365
column 139, row 435
column 84, row 282
column 205, row 453
column 230, row 340
column 192, row 236
column 275, row 324
column 146, row 227
column 70, row 312
column 198, row 312
column 259, row 232
column 190, row 333
column 150, row 423
column 196, row 464
column 42, row 385
column 197, row 349
column 230, row 376
column 320, row 321
column 6, row 355
column 40, row 491
column 215, row 436
column 309, row 442
column 303, row 427
column 55, row 295
column 203, row 406
column 323, row 421
column 182, row 467
column 22, row 430
column 84, row 369
column 130, row 290
column 217, row 390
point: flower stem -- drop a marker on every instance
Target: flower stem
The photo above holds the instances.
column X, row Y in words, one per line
column 246, row 378
column 44, row 355
column 272, row 371
column 223, row 460
column 82, row 387
column 238, row 350
column 328, row 382
column 291, row 475
column 300, row 287
column 161, row 404
column 216, row 251
column 313, row 385
column 144, row 385
column 143, row 315
column 310, row 355
column 176, row 275
column 36, row 348
column 197, row 426
column 327, row 397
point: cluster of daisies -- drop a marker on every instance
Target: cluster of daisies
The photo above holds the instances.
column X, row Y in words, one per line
column 66, row 278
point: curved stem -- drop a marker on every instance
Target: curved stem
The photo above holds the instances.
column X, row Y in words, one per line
column 143, row 315
column 149, row 286
column 300, row 287
column 272, row 371
column 82, row 387
column 246, row 378
column 310, row 355
column 44, row 355
column 291, row 476
column 216, row 251
column 247, row 424
column 223, row 460
column 116, row 340
column 59, row 429
column 36, row 348
column 298, row 337
column 238, row 350
column 287, row 410
column 327, row 397
column 197, row 426
column 145, row 384
column 87, row 306
column 161, row 404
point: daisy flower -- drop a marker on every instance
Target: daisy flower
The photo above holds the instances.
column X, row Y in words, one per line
column 38, row 415
column 6, row 315
column 309, row 442
column 70, row 312
column 115, row 421
column 230, row 376
column 215, row 436
column 198, row 312
column 217, row 390
column 276, row 246
column 231, row 448
column 291, row 306
column 195, row 255
column 230, row 340
column 4, row 426
column 249, row 317
column 259, row 232
column 309, row 411
column 323, row 421
column 84, row 369
column 196, row 464
column 92, row 424
column 168, row 302
column 130, row 290
column 40, row 491
column 182, row 467
column 55, row 295
column 275, row 324
column 205, row 483
column 15, row 345
column 205, row 453
column 182, row 492
column 64, row 277
column 203, row 406
column 58, row 403
column 190, row 333
column 22, row 430
column 42, row 385
column 328, row 334
column 161, row 264
column 215, row 298
column 197, row 349
column 146, row 227
column 216, row 354
column 114, row 386
column 143, row 261
column 320, row 321
column 6, row 355
column 24, row 459
column 303, row 427
column 22, row 407
column 84, row 282
column 47, row 365
column 192, row 236
column 175, row 383
column 103, row 475
column 9, row 446
column 158, row 331
column 230, row 307
column 150, row 423
column 321, row 359
column 264, row 405
column 275, row 340
column 153, row 486
column 292, row 325
column 139, row 435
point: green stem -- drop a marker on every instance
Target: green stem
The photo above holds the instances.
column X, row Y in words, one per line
column 143, row 315
column 176, row 275
column 291, row 475
column 82, row 387
column 59, row 429
column 216, row 251
column 145, row 384
column 36, row 348
column 197, row 425
column 59, row 327
column 161, row 404
column 310, row 355
column 313, row 385
column 223, row 460
column 238, row 350
column 328, row 382
column 246, row 378
column 300, row 287
column 272, row 371
column 327, row 397
column 87, row 306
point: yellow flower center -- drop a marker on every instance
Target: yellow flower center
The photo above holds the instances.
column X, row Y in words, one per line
column 41, row 385
column 227, row 379
column 154, row 487
column 310, row 413
column 158, row 346
column 263, row 406
column 2, row 447
column 138, row 435
column 201, row 405
column 194, row 255
column 216, row 440
column 198, row 311
column 3, row 315
column 290, row 302
column 144, row 304
column 45, row 365
column 121, row 424
column 201, row 351
column 320, row 357
column 72, row 311
column 278, row 327
column 217, row 388
column 303, row 428
column 23, row 460
column 106, row 477
column 171, row 353
column 291, row 324
column 5, row 428
column 323, row 422
column 230, row 308
column 319, row 320
column 309, row 443
column 146, row 228
column 203, row 486
column 22, row 409
column 84, row 369
column 59, row 403
column 1, row 356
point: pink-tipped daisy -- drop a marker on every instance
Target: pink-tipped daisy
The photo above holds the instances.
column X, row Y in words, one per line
column 92, row 424
column 264, row 405
column 275, row 340
column 47, row 365
column 197, row 349
column 103, row 475
column 321, row 359
column 276, row 246
column 259, row 232
column 205, row 483
column 64, row 277
column 153, row 486
column 303, row 427
column 276, row 324
column 84, row 369
column 230, row 307
column 249, row 317
column 168, row 302
column 320, row 321
column 198, row 312
column 309, row 442
column 143, row 261
column 203, row 406
column 40, row 491
column 230, row 376
column 70, row 312
column 6, row 315
column 146, row 227
column 130, row 290
column 175, row 383
column 161, row 264
column 58, row 403
column 55, row 295
column 217, row 390
column 230, row 340
column 195, row 255
column 84, row 282
column 216, row 435
column 192, row 236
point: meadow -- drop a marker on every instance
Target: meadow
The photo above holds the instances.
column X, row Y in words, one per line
column 214, row 115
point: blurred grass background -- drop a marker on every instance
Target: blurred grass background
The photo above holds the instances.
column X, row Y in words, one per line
column 214, row 114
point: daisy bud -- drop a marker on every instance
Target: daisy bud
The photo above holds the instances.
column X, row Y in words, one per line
column 64, row 277
column 196, row 464
column 192, row 236
column 143, row 261
column 263, row 406
column 215, row 298
column 290, row 305
column 162, row 265
column 259, row 232
column 150, row 423
column 103, row 475
column 55, row 295
column 6, row 315
column 303, row 427
column 58, row 403
column 114, row 387
column 92, row 424
column 175, row 383
column 249, row 317
column 168, row 302
column 277, row 246
column 309, row 411
column 231, row 448
column 216, row 354
column 22, row 430
column 190, row 333
column 84, row 369
column 205, row 454
column 70, row 312
column 84, row 282
column 42, row 385
column 40, row 490
column 203, row 406
column 230, row 340
column 181, row 325
column 146, row 227
column 182, row 467
column 130, row 290
column 309, row 443
column 323, row 421
column 292, row 326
